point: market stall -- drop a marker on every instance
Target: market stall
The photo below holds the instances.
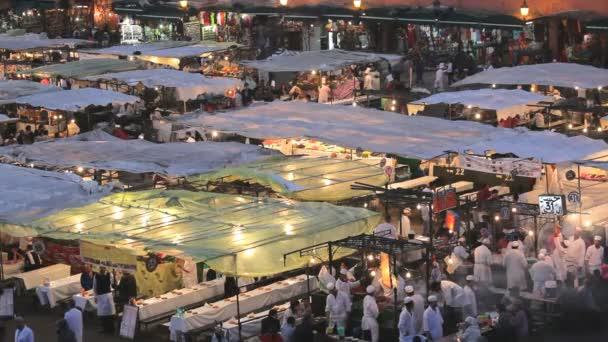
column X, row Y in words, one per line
column 29, row 280
column 12, row 89
column 132, row 50
column 192, row 90
column 52, row 292
column 79, row 69
column 311, row 70
column 502, row 104
column 25, row 51
column 53, row 111
column 189, row 56
column 300, row 178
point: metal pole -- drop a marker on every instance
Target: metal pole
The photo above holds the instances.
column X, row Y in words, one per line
column 431, row 248
column 396, row 314
column 535, row 235
column 580, row 197
column 331, row 257
column 308, row 281
column 238, row 304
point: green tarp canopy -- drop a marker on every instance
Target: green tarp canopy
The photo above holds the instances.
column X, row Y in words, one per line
column 301, row 178
column 85, row 67
column 211, row 227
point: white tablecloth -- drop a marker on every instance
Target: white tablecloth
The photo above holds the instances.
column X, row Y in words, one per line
column 249, row 302
column 175, row 299
column 250, row 326
column 36, row 277
column 58, row 290
column 11, row 269
column 82, row 302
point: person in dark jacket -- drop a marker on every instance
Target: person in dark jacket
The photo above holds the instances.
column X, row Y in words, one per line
column 86, row 278
column 126, row 288
column 64, row 334
column 271, row 326
column 304, row 331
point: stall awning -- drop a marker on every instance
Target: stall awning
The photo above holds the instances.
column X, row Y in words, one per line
column 99, row 150
column 188, row 85
column 306, row 179
column 173, row 56
column 76, row 99
column 36, row 41
column 4, row 119
column 211, row 227
column 569, row 75
column 381, row 131
column 600, row 25
column 505, row 102
column 84, row 67
column 28, row 194
column 128, row 50
column 11, row 90
column 324, row 60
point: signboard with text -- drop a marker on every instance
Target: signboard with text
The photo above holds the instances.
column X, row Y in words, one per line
column 552, row 204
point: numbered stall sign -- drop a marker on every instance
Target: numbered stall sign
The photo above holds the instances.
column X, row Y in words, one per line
column 552, row 204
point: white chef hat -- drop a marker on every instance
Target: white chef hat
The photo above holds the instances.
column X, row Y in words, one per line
column 330, row 286
column 542, row 251
column 343, row 271
column 470, row 278
column 409, row 289
column 597, row 238
column 462, row 239
column 407, row 300
column 432, row 298
column 515, row 244
column 541, row 256
column 550, row 284
column 486, row 241
column 370, row 289
column 407, row 210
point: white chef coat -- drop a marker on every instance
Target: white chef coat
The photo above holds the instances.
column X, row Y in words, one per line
column 24, row 335
column 386, row 230
column 471, row 334
column 288, row 313
column 405, row 225
column 74, row 319
column 105, row 305
column 594, row 257
column 483, row 259
column 432, row 322
column 418, row 312
column 576, row 252
column 406, row 325
column 370, row 315
column 324, row 93
column 460, row 252
column 189, row 273
column 344, row 287
column 452, row 293
column 541, row 272
column 470, row 302
column 516, row 268
column 559, row 255
column 338, row 307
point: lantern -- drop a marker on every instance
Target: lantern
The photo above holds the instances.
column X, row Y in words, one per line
column 183, row 3
column 357, row 4
column 524, row 9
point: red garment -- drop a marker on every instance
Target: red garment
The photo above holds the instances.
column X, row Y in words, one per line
column 514, row 122
column 483, row 194
column 120, row 133
column 509, row 122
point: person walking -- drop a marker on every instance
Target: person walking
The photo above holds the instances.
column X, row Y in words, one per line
column 64, row 333
column 23, row 333
column 73, row 318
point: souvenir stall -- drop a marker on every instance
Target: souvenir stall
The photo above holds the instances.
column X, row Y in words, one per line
column 329, row 76
column 55, row 111
column 26, row 51
column 493, row 106
column 189, row 57
column 225, row 26
column 152, row 22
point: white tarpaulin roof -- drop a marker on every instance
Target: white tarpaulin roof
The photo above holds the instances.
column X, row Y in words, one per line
column 188, row 85
column 11, row 90
column 76, row 99
column 381, row 131
column 28, row 194
column 33, row 40
column 100, row 150
column 6, row 119
column 128, row 50
column 190, row 50
column 505, row 102
column 325, row 60
column 567, row 75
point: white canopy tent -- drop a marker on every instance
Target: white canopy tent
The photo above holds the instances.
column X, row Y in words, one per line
column 28, row 193
column 128, row 50
column 188, row 85
column 76, row 99
column 4, row 119
column 34, row 41
column 323, row 60
column 505, row 102
column 99, row 150
column 173, row 56
column 381, row 131
column 11, row 90
column 568, row 75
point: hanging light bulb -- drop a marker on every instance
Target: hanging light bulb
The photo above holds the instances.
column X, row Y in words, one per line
column 357, row 4
column 524, row 10
column 408, row 275
column 283, row 2
column 418, row 206
column 370, row 257
column 531, row 233
column 372, row 273
column 312, row 260
column 514, row 210
column 450, row 261
column 183, row 3
column 496, row 218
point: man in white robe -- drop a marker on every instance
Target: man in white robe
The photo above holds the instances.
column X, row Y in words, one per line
column 74, row 319
column 575, row 256
column 369, row 322
column 482, row 270
column 432, row 322
column 470, row 300
column 337, row 306
column 386, row 229
column 516, row 268
column 406, row 321
column 594, row 255
column 418, row 311
column 541, row 272
column 405, row 222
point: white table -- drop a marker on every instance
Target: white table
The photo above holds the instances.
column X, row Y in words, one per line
column 170, row 301
column 251, row 325
column 251, row 301
column 11, row 269
column 58, row 290
column 36, row 277
column 86, row 301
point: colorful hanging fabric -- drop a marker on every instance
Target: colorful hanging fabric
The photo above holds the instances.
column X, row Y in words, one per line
column 221, row 18
column 212, row 18
column 205, row 18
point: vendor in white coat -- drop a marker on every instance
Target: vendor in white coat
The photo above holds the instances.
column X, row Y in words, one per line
column 516, row 268
column 460, row 252
column 74, row 319
column 418, row 308
column 324, row 93
column 432, row 322
column 541, row 272
column 405, row 222
column 482, row 270
column 470, row 300
column 337, row 306
column 575, row 255
column 344, row 285
column 102, row 282
column 23, row 333
column 406, row 321
column 559, row 255
column 471, row 331
column 386, row 229
column 369, row 322
column 594, row 255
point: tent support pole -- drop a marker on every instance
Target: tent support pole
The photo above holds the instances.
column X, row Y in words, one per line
column 308, row 281
column 535, row 235
column 395, row 313
column 580, row 196
column 430, row 249
column 331, row 257
column 238, row 304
